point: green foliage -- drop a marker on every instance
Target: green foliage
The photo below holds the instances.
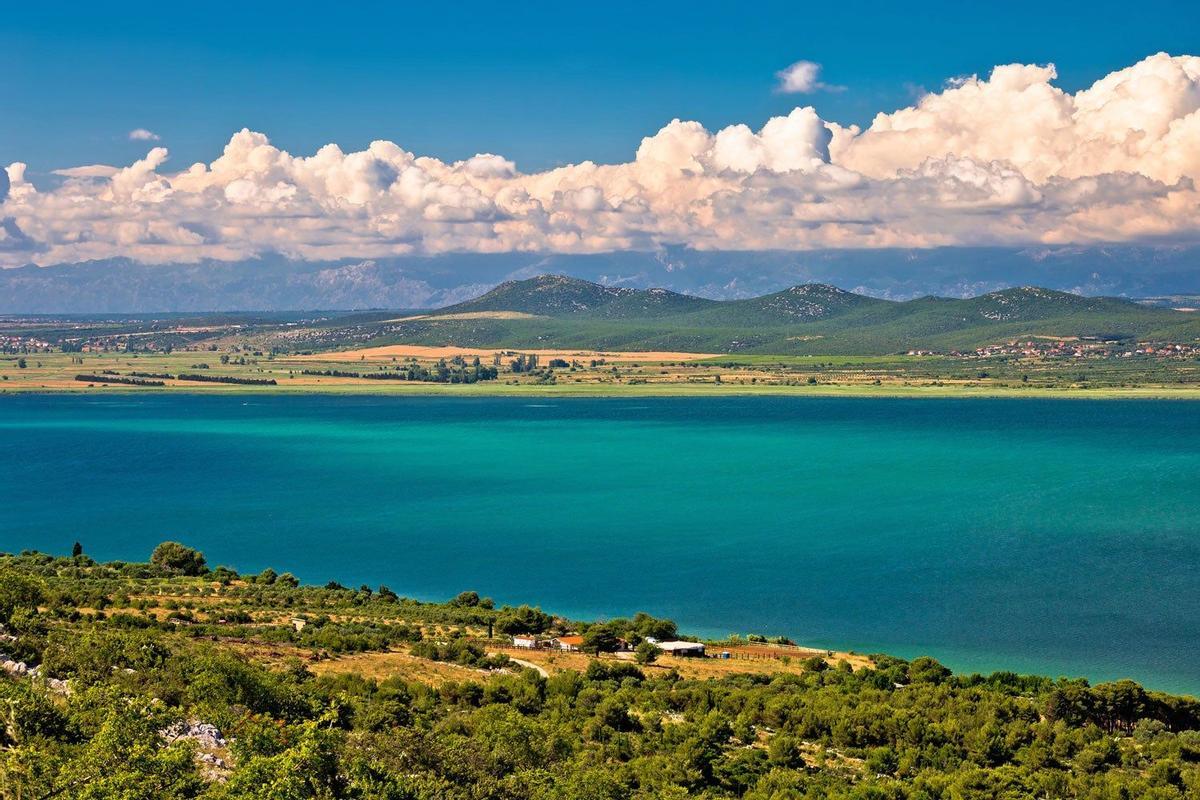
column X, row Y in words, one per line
column 175, row 558
column 18, row 591
column 813, row 318
column 927, row 670
column 522, row 619
column 303, row 769
column 899, row 730
column 646, row 653
column 459, row 651
column 600, row 638
column 465, row 600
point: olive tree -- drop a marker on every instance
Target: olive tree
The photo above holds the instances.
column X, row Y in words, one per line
column 178, row 559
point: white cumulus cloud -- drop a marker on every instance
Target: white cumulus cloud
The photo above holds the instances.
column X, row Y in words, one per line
column 803, row 77
column 1009, row 158
column 143, row 135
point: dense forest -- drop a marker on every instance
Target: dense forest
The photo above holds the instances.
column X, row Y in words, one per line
column 152, row 680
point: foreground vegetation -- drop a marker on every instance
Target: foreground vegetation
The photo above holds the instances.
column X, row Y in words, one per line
column 171, row 680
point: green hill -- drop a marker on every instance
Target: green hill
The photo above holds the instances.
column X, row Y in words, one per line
column 545, row 295
column 559, row 311
column 798, row 305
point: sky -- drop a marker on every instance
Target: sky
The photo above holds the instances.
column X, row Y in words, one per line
column 554, row 85
column 543, row 83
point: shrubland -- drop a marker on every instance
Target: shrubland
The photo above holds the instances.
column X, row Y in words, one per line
column 115, row 660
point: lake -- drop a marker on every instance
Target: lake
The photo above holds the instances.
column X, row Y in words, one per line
column 1050, row 536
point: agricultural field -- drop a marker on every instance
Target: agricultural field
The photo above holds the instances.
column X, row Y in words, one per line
column 592, row 373
column 560, row 336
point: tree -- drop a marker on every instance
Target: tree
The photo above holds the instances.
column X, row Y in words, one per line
column 522, row 619
column 179, row 559
column 927, row 670
column 465, row 600
column 599, row 639
column 645, row 625
column 76, row 550
column 224, row 574
column 288, row 579
column 647, row 653
column 18, row 591
column 20, row 363
column 268, row 576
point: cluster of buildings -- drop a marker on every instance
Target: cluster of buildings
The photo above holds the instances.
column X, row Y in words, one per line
column 1073, row 348
column 22, row 344
column 573, row 643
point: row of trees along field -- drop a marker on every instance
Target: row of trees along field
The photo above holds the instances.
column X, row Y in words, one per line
column 456, row 370
column 116, row 659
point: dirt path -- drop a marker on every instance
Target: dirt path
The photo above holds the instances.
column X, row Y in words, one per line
column 539, row 669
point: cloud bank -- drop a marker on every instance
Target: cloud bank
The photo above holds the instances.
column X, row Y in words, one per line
column 1007, row 159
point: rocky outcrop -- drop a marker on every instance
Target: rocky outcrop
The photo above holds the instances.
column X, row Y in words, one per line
column 204, row 734
column 23, row 670
column 211, row 746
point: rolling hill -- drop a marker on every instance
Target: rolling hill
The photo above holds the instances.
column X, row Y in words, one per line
column 560, row 311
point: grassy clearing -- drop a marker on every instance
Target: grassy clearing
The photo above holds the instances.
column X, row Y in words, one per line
column 554, row 661
column 381, row 666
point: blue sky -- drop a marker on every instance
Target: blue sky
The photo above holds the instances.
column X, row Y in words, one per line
column 575, row 103
column 541, row 83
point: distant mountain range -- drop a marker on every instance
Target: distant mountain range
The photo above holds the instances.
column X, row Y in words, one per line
column 560, row 311
column 275, row 283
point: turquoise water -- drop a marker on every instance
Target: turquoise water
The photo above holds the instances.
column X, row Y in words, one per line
column 1061, row 537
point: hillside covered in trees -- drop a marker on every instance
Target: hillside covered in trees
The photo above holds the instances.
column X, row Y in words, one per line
column 166, row 680
column 560, row 311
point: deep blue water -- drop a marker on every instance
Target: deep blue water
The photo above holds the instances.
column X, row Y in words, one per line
column 1061, row 537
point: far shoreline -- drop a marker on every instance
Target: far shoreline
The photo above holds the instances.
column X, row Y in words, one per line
column 618, row 391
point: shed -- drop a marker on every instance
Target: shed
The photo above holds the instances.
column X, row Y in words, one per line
column 682, row 648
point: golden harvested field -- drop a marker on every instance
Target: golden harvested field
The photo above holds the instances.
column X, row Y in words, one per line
column 469, row 315
column 557, row 661
column 381, row 666
column 402, row 665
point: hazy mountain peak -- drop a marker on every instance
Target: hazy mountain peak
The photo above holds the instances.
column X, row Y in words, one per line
column 273, row 282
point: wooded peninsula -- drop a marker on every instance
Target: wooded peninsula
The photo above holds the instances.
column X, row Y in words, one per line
column 171, row 679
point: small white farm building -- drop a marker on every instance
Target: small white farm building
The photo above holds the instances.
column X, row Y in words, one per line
column 681, row 648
